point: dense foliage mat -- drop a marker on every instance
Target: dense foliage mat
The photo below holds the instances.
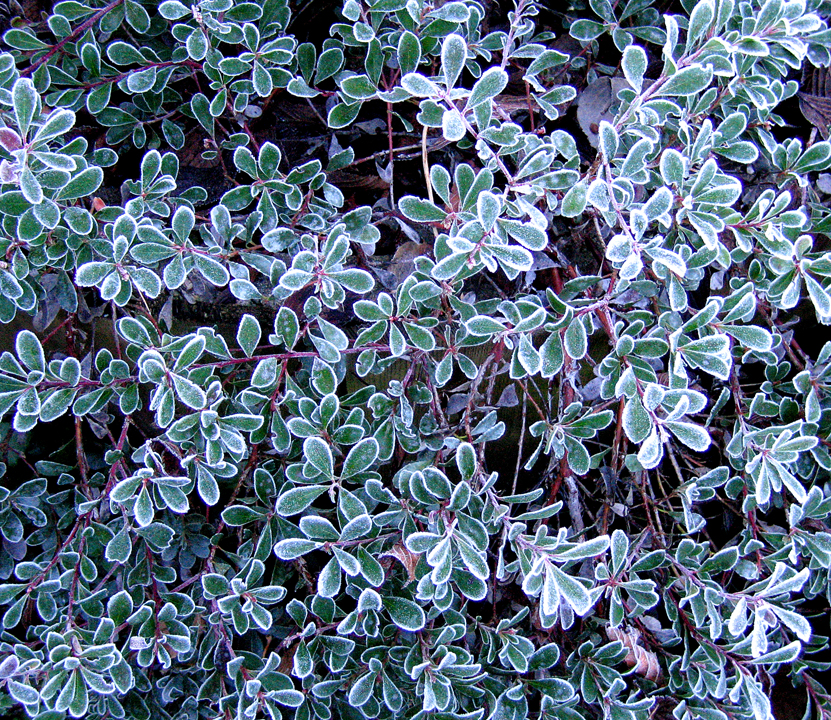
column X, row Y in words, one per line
column 294, row 431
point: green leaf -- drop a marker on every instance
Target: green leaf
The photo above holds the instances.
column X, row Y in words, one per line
column 528, row 356
column 319, row 454
column 409, row 52
column 30, row 187
column 634, row 65
column 419, row 86
column 136, row 16
column 672, row 167
column 9, row 591
column 289, row 698
column 819, row 296
column 484, row 326
column 342, row 115
column 493, row 81
column 786, row 654
column 287, row 327
column 415, row 208
column 25, row 101
column 701, row 21
column 651, row 452
column 237, row 515
column 577, row 456
column 261, row 79
column 293, row 548
column 208, row 488
column 300, row 88
column 200, row 107
column 141, row 81
column 296, row 500
column 23, row 40
column 360, row 457
column 453, row 58
column 215, row 585
column 573, row 591
column 24, row 694
column 528, row 235
column 82, row 185
column 608, row 139
column 690, row 80
column 488, row 207
column 575, row 339
column 143, row 508
column 814, row 158
column 751, row 336
column 248, row 334
column 551, row 355
column 466, row 461
column 173, row 10
column 359, row 87
column 405, row 613
column 711, row 354
column 30, row 351
column 795, row 622
column 119, row 547
column 586, row 30
column 189, row 392
column 59, row 122
column 574, row 201
column 122, row 53
column 739, row 151
column 452, row 125
column 512, row 257
column 120, row 607
column 354, row 280
column 636, row 421
column 329, row 579
column 329, row 62
column 693, row 436
column 214, row 272
column 361, row 690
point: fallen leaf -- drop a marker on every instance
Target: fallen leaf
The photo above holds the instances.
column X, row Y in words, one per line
column 197, row 142
column 815, row 98
column 353, row 181
column 641, row 660
column 403, row 262
column 508, row 398
column 598, row 102
column 407, row 558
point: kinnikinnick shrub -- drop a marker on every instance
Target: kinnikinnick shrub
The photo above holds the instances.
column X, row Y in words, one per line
column 437, row 403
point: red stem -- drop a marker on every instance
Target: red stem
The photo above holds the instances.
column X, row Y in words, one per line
column 72, row 37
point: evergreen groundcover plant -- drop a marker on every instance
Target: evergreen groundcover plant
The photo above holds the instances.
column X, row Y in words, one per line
column 570, row 460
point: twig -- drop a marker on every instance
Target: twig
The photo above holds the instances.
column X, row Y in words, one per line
column 426, row 166
column 573, row 502
column 74, row 35
column 315, row 111
column 390, row 150
column 521, row 437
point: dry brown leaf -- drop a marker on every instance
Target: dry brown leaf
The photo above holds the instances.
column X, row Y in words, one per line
column 815, row 98
column 298, row 112
column 196, row 143
column 506, row 105
column 403, row 262
column 595, row 104
column 354, row 181
column 407, row 558
column 643, row 661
